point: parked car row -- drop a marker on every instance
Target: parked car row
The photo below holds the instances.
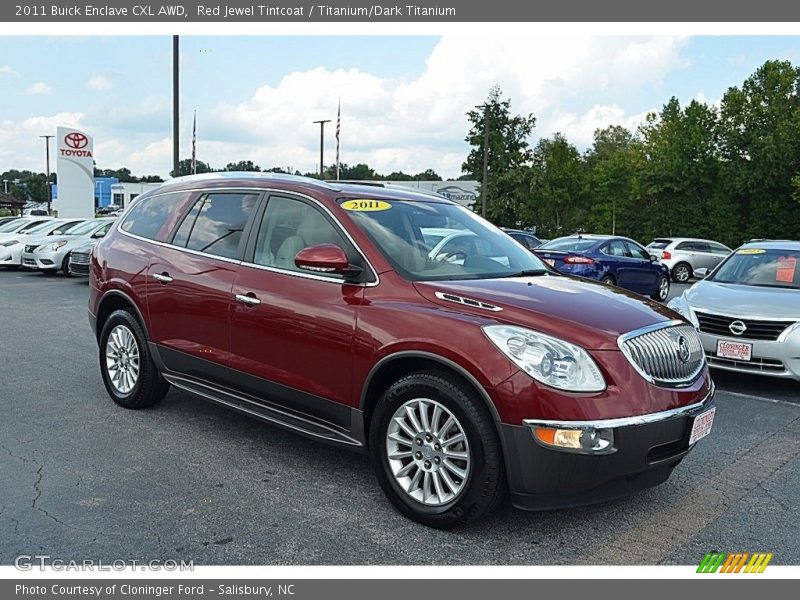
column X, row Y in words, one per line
column 47, row 244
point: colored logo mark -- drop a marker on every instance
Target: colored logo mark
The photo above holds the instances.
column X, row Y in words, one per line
column 739, row 562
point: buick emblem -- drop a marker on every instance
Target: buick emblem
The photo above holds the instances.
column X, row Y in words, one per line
column 683, row 349
column 76, row 140
column 737, row 328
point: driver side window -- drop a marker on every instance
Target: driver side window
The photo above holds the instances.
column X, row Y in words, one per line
column 288, row 226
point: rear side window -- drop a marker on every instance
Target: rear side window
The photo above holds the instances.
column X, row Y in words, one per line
column 148, row 216
column 215, row 224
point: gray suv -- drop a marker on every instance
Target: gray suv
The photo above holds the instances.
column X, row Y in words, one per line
column 683, row 256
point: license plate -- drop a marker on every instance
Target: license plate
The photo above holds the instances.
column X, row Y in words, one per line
column 734, row 350
column 550, row 262
column 701, row 426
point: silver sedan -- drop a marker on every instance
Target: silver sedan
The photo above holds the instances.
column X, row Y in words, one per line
column 747, row 310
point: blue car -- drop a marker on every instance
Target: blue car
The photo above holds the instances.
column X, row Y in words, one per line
column 611, row 259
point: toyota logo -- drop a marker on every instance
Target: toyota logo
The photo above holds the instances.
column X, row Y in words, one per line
column 737, row 328
column 76, row 140
column 683, row 349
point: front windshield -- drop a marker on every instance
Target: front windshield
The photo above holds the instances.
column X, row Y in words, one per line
column 569, row 244
column 11, row 226
column 426, row 241
column 85, row 228
column 46, row 226
column 761, row 267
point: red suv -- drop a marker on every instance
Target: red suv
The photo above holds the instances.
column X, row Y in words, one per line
column 403, row 324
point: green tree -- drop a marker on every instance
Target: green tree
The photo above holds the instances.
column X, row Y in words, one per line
column 759, row 132
column 242, row 165
column 185, row 168
column 508, row 151
column 558, row 186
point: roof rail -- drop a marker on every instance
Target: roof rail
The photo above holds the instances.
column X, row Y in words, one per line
column 249, row 175
column 356, row 182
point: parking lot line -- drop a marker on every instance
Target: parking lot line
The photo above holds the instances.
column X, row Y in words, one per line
column 659, row 536
column 759, row 398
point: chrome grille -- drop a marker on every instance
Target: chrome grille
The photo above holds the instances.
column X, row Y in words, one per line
column 79, row 258
column 752, row 329
column 668, row 354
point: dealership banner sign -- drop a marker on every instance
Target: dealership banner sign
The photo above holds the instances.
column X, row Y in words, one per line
column 456, row 11
column 75, row 168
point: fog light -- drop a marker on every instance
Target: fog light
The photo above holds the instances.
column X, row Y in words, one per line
column 587, row 440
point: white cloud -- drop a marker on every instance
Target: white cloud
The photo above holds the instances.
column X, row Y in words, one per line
column 99, row 83
column 40, row 87
column 394, row 123
column 7, row 70
column 571, row 84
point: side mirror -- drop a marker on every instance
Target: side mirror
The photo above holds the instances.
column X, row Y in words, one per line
column 99, row 234
column 701, row 273
column 325, row 258
column 653, row 258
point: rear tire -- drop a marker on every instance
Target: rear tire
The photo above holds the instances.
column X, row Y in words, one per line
column 129, row 373
column 681, row 273
column 65, row 265
column 468, row 478
column 609, row 280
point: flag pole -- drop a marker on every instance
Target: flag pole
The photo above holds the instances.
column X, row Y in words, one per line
column 338, row 130
column 194, row 143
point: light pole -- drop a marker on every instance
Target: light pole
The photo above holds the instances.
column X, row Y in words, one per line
column 485, row 178
column 175, row 106
column 5, row 186
column 322, row 144
column 47, row 160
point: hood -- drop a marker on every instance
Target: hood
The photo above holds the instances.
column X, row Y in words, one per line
column 744, row 300
column 580, row 311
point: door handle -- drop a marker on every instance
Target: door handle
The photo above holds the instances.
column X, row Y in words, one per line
column 249, row 299
column 162, row 277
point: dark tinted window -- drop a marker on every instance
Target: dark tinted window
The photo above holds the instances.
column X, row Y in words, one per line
column 719, row 249
column 148, row 216
column 659, row 244
column 529, row 241
column 636, row 251
column 219, row 223
column 182, row 235
column 569, row 244
column 615, row 248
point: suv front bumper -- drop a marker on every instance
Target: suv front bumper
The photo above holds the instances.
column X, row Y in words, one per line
column 646, row 449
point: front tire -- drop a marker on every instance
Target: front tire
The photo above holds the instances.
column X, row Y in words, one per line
column 609, row 280
column 129, row 373
column 662, row 289
column 435, row 450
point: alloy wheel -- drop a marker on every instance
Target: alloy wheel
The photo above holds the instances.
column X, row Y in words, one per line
column 122, row 359
column 663, row 288
column 682, row 273
column 428, row 452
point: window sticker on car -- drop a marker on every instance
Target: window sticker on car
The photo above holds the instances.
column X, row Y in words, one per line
column 786, row 268
column 366, row 205
column 751, row 251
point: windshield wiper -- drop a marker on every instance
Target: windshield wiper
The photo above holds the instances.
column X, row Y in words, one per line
column 525, row 273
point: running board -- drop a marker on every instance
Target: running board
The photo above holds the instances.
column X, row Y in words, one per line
column 270, row 413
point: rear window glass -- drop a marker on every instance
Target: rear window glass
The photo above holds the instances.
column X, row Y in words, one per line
column 659, row 244
column 569, row 244
column 148, row 216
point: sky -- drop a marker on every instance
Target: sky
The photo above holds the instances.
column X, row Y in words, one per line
column 403, row 98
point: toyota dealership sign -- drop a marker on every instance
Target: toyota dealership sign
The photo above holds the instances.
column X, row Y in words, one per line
column 75, row 167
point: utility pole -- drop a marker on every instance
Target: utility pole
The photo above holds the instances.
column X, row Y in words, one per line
column 485, row 178
column 47, row 161
column 176, row 158
column 322, row 144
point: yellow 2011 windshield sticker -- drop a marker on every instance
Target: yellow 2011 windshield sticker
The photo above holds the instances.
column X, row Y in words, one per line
column 751, row 251
column 364, row 205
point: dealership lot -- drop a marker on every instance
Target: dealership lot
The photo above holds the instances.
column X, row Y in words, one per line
column 188, row 480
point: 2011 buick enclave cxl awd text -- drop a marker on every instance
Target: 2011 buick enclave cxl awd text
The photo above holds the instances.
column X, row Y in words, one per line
column 466, row 373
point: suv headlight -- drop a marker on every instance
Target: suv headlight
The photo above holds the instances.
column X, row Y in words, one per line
column 11, row 243
column 52, row 247
column 549, row 360
column 680, row 305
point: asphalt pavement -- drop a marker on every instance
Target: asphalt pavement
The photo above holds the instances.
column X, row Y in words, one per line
column 85, row 479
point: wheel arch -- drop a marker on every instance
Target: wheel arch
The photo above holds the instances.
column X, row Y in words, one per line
column 392, row 367
column 116, row 300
